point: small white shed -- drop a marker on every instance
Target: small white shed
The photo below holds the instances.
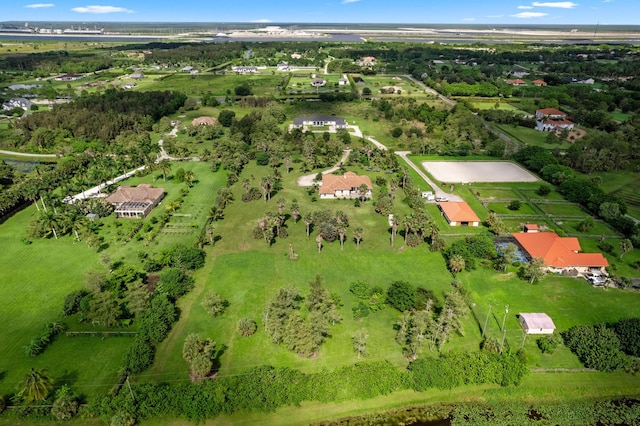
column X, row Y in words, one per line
column 537, row 323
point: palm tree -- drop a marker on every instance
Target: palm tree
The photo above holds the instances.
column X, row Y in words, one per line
column 165, row 167
column 456, row 263
column 281, row 205
column 342, row 231
column 246, row 183
column 394, row 229
column 36, row 386
column 357, row 234
column 189, row 177
column 266, row 182
column 308, row 220
column 295, row 211
column 363, row 190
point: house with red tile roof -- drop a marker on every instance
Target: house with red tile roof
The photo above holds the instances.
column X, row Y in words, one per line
column 539, row 83
column 560, row 253
column 552, row 120
column 458, row 213
column 517, row 82
column 345, row 186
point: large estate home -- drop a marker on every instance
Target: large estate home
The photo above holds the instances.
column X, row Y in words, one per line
column 12, row 103
column 552, row 120
column 345, row 186
column 560, row 253
column 320, row 121
column 135, row 202
column 68, row 77
column 458, row 213
column 318, row 82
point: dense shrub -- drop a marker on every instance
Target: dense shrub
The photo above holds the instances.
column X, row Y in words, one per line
column 72, row 301
column 548, row 344
column 138, row 357
column 174, row 283
column 252, row 194
column 401, row 295
column 39, row 343
column 480, row 367
column 628, row 331
column 596, row 346
column 247, row 327
column 156, row 321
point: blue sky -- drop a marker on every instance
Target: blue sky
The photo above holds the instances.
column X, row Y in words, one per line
column 587, row 12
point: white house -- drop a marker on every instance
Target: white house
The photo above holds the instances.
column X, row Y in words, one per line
column 318, row 82
column 284, row 66
column 320, row 121
column 12, row 103
column 552, row 120
column 536, row 323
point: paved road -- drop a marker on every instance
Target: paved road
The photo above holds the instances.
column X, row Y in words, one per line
column 443, row 98
column 308, row 180
column 439, row 193
column 25, row 154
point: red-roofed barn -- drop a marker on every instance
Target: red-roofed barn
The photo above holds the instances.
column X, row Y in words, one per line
column 459, row 213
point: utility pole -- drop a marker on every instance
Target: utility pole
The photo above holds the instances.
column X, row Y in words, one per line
column 506, row 311
column 486, row 321
column 130, row 391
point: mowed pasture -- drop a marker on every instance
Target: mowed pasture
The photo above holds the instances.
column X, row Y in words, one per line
column 218, row 85
column 34, row 279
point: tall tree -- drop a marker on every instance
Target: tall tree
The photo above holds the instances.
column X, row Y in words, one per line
column 359, row 339
column 165, row 167
column 533, row 270
column 625, row 247
column 358, row 232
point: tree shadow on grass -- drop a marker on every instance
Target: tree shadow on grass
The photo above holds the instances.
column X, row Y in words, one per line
column 68, row 377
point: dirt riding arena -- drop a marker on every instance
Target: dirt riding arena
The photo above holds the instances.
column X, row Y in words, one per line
column 477, row 171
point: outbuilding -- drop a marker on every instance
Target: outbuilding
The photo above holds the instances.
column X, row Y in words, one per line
column 536, row 323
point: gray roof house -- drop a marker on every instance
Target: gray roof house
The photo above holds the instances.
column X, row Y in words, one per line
column 12, row 103
column 320, row 121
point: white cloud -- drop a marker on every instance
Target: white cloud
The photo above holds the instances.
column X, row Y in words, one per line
column 525, row 7
column 101, row 9
column 261, row 21
column 468, row 19
column 557, row 4
column 607, row 1
column 495, row 16
column 349, row 1
column 39, row 5
column 527, row 15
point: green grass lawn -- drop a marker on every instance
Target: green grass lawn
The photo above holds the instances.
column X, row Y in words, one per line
column 501, row 208
column 261, row 85
column 599, row 228
column 489, row 194
column 529, row 136
column 34, row 278
column 567, row 209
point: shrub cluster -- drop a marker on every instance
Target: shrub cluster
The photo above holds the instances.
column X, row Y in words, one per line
column 39, row 343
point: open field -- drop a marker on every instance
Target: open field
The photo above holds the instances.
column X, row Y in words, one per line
column 477, row 171
column 529, row 136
